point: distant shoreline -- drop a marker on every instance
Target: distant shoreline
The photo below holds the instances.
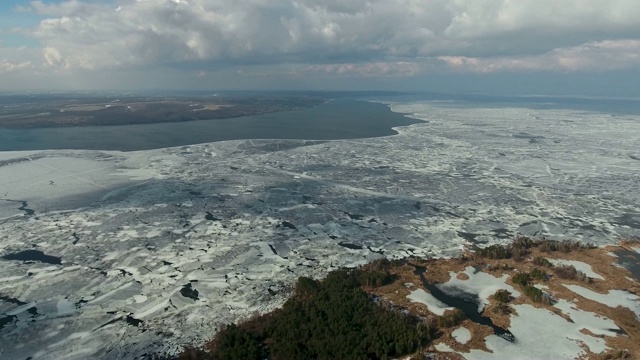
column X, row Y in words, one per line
column 74, row 112
column 335, row 120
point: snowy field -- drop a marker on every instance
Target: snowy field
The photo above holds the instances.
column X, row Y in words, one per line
column 153, row 249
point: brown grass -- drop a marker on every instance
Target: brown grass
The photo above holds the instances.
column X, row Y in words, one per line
column 441, row 270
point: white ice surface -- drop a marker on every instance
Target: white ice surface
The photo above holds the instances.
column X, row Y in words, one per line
column 613, row 298
column 442, row 347
column 541, row 334
column 462, row 335
column 479, row 283
column 44, row 180
column 434, row 305
column 131, row 231
column 65, row 307
column 579, row 265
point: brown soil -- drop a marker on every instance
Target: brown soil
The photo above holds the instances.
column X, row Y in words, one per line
column 441, row 270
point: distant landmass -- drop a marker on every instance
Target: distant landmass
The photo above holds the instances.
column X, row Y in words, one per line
column 171, row 123
column 46, row 111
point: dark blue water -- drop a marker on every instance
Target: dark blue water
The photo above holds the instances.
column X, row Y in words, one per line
column 630, row 260
column 339, row 119
column 466, row 302
column 33, row 255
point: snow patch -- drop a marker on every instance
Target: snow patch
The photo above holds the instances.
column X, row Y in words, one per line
column 579, row 265
column 612, row 299
column 561, row 339
column 433, row 305
column 480, row 283
column 462, row 335
column 442, row 347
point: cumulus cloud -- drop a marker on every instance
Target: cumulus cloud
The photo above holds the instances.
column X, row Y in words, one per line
column 595, row 56
column 14, row 60
column 356, row 37
column 6, row 66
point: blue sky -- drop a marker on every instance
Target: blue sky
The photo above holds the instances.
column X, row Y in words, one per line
column 9, row 5
column 543, row 46
column 11, row 18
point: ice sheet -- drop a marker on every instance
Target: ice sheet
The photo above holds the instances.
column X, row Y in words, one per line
column 241, row 220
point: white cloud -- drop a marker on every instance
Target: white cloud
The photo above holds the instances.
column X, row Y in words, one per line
column 52, row 56
column 595, row 56
column 356, row 38
column 15, row 60
column 6, row 66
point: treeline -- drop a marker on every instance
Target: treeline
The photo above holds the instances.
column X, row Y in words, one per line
column 521, row 246
column 569, row 272
column 329, row 319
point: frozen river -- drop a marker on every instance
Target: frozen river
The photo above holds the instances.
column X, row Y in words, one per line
column 151, row 249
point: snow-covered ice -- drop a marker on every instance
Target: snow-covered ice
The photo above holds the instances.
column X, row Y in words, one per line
column 433, row 305
column 541, row 334
column 480, row 283
column 159, row 248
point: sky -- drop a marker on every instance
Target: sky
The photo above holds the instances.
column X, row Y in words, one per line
column 569, row 47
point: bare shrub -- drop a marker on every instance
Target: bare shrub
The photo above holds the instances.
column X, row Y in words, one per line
column 502, row 296
column 502, row 309
column 569, row 272
column 617, row 354
column 451, row 318
column 540, row 261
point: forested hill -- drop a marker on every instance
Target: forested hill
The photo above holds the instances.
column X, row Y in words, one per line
column 329, row 319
